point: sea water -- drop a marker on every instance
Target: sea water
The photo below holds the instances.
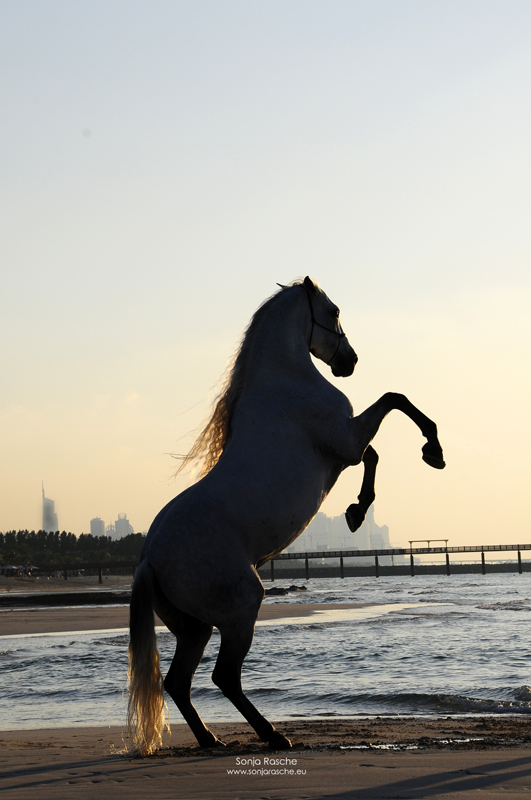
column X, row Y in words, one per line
column 427, row 645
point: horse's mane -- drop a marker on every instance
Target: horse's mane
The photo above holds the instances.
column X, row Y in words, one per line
column 211, row 442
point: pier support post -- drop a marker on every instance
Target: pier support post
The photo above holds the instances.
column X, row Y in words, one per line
column 519, row 562
column 65, row 573
column 100, row 576
column 342, row 569
column 412, row 563
column 307, row 568
column 376, row 567
column 448, row 563
column 483, row 568
column 272, row 569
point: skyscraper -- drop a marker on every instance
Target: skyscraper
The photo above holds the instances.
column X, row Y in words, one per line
column 49, row 517
column 97, row 527
column 122, row 526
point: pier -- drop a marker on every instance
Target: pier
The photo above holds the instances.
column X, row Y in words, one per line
column 307, row 567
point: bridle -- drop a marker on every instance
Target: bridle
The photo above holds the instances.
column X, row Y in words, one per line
column 340, row 335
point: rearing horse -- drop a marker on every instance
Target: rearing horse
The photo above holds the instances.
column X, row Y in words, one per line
column 278, row 439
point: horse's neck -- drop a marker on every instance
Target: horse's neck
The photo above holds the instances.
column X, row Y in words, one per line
column 281, row 344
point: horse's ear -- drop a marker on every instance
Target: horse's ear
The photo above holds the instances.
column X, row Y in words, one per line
column 309, row 285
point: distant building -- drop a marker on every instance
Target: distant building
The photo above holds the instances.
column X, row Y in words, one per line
column 372, row 536
column 97, row 527
column 333, row 533
column 49, row 517
column 122, row 527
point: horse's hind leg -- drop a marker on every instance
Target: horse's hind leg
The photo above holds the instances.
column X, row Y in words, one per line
column 355, row 513
column 192, row 638
column 235, row 644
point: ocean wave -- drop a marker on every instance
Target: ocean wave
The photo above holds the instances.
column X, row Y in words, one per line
column 114, row 641
column 508, row 605
column 479, row 705
column 436, row 702
column 213, row 693
column 523, row 693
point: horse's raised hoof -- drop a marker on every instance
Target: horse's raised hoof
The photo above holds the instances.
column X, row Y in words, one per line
column 354, row 516
column 279, row 742
column 433, row 455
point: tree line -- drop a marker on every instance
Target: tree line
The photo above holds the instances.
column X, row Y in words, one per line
column 54, row 549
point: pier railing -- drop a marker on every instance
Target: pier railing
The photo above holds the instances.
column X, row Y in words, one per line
column 400, row 551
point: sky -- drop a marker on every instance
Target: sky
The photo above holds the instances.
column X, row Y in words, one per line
column 163, row 165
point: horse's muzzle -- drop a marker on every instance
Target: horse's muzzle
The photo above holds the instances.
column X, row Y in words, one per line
column 343, row 364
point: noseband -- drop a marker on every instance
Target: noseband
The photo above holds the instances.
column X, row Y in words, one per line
column 314, row 322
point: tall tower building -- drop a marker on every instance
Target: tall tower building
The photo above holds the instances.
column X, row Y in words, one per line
column 122, row 526
column 49, row 517
column 97, row 527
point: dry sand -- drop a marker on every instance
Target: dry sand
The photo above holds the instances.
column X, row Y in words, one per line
column 81, row 763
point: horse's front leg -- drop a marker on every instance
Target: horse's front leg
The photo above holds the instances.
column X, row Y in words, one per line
column 366, row 425
column 355, row 513
column 364, row 429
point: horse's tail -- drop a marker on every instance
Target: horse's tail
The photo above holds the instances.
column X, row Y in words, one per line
column 145, row 717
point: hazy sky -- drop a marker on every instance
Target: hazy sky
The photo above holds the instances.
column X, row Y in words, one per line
column 164, row 164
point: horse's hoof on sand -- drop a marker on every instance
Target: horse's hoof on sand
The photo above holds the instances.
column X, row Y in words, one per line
column 214, row 742
column 279, row 742
column 432, row 455
column 354, row 516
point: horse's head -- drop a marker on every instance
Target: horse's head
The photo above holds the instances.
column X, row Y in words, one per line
column 327, row 340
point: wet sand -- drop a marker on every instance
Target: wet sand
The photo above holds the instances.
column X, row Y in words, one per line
column 16, row 621
column 84, row 763
column 58, row 584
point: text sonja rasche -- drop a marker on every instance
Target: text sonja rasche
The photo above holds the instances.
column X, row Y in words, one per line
column 266, row 766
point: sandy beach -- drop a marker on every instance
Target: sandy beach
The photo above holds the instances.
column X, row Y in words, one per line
column 84, row 763
column 394, row 757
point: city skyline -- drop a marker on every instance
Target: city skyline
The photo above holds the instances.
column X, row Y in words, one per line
column 116, row 530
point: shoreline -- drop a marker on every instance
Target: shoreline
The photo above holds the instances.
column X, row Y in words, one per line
column 341, row 758
column 383, row 732
column 357, row 758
